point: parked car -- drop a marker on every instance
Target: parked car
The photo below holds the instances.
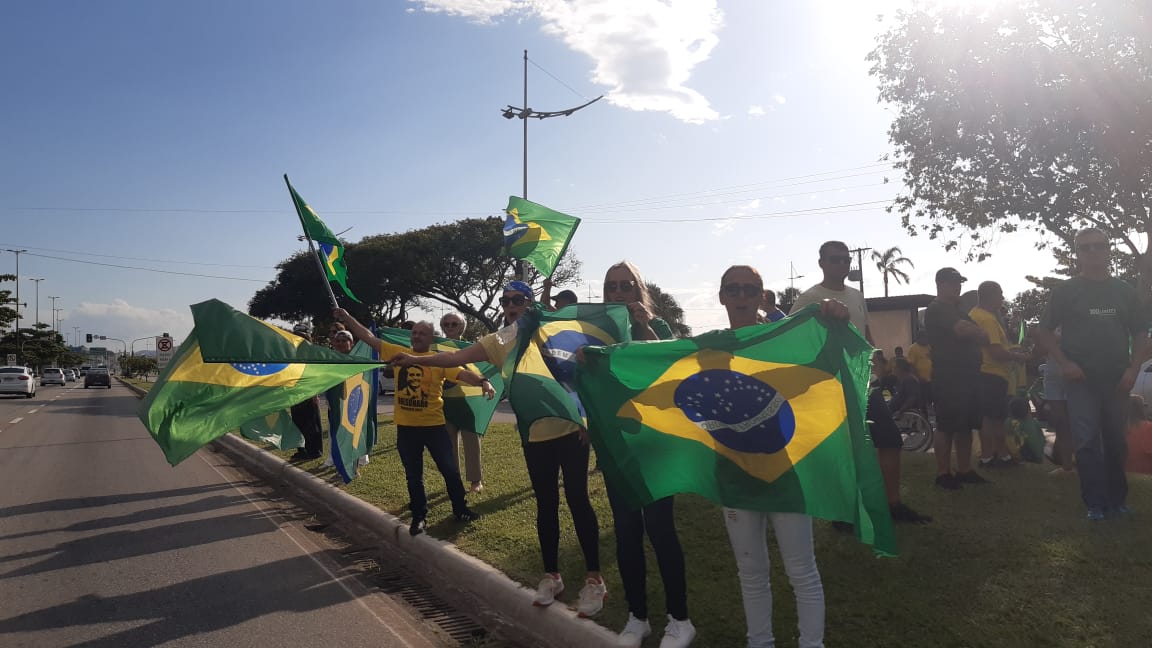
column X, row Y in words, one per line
column 97, row 376
column 53, row 376
column 387, row 379
column 17, row 380
column 70, row 375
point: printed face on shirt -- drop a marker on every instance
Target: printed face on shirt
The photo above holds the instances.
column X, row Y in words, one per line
column 413, row 377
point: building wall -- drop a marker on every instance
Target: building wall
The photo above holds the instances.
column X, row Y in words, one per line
column 891, row 329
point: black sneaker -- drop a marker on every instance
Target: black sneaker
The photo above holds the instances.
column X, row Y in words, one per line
column 971, row 477
column 467, row 515
column 947, row 482
column 418, row 526
column 300, row 455
column 901, row 512
column 844, row 527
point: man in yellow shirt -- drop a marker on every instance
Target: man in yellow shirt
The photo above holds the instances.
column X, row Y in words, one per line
column 419, row 416
column 995, row 366
column 920, row 357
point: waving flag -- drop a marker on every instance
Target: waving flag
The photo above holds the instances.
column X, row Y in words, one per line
column 331, row 251
column 352, row 417
column 276, row 429
column 767, row 418
column 465, row 406
column 248, row 370
column 537, row 234
column 543, row 367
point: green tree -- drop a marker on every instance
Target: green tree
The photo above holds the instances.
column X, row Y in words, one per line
column 1029, row 115
column 7, row 313
column 458, row 265
column 137, row 365
column 787, row 298
column 888, row 263
column 667, row 309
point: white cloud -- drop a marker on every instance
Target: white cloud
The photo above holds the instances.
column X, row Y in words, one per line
column 643, row 50
column 779, row 98
column 756, row 111
column 122, row 320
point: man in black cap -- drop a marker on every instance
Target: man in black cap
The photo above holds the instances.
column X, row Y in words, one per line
column 956, row 342
column 563, row 298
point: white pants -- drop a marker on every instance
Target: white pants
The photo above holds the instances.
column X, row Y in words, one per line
column 747, row 532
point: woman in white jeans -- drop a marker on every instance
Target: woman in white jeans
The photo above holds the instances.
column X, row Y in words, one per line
column 741, row 291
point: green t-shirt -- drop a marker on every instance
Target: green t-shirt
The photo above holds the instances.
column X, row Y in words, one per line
column 1098, row 320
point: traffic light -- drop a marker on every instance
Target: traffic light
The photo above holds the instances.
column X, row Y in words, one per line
column 89, row 337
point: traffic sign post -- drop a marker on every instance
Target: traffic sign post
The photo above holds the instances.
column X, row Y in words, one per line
column 11, row 359
column 164, row 350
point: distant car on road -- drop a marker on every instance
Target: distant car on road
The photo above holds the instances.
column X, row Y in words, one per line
column 53, row 376
column 17, row 380
column 70, row 375
column 387, row 379
column 97, row 376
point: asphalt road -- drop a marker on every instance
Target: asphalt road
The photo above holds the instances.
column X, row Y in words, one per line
column 102, row 543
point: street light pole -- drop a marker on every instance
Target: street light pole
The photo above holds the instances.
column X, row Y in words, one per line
column 77, row 330
column 54, row 312
column 37, row 280
column 133, row 345
column 17, row 326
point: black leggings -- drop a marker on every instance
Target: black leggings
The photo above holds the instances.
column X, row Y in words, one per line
column 659, row 521
column 546, row 459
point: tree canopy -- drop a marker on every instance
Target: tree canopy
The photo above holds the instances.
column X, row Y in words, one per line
column 458, row 265
column 668, row 309
column 1033, row 115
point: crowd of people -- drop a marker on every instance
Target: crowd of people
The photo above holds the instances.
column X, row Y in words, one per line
column 957, row 372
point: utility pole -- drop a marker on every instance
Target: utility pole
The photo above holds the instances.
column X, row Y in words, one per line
column 54, row 312
column 77, row 330
column 792, row 277
column 860, row 265
column 37, row 280
column 17, row 325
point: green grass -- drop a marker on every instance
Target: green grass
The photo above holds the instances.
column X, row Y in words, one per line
column 1012, row 563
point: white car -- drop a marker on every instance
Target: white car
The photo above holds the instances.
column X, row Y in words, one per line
column 70, row 375
column 17, row 380
column 1143, row 387
column 53, row 376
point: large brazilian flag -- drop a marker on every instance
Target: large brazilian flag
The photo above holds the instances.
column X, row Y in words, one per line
column 352, row 416
column 231, row 369
column 537, row 234
column 767, row 417
column 465, row 406
column 541, row 371
column 276, row 429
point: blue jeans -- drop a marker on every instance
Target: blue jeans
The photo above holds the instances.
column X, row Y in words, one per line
column 1096, row 412
column 410, row 444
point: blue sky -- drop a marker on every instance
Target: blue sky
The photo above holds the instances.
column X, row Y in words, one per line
column 154, row 135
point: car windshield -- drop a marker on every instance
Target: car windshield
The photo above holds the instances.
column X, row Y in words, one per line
column 98, row 371
column 12, row 369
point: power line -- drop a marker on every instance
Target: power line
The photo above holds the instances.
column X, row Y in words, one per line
column 808, row 192
column 171, row 272
column 557, row 80
column 118, row 256
column 814, row 211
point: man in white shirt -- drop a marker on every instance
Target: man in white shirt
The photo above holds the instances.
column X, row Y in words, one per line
column 835, row 261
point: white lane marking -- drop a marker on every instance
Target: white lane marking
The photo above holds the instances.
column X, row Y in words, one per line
column 34, row 411
column 336, row 579
column 16, row 420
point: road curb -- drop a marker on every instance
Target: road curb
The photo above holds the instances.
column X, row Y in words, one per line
column 509, row 601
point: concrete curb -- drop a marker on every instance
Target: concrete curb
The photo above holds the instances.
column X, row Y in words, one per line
column 509, row 602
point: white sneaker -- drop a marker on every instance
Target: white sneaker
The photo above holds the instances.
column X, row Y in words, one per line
column 678, row 634
column 327, row 462
column 546, row 592
column 634, row 632
column 363, row 460
column 592, row 597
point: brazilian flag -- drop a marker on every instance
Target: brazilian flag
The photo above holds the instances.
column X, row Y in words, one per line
column 465, row 406
column 541, row 371
column 276, row 429
column 537, row 234
column 232, row 369
column 331, row 249
column 352, row 416
column 766, row 417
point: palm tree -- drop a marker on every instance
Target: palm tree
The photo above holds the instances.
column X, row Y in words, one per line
column 668, row 310
column 888, row 263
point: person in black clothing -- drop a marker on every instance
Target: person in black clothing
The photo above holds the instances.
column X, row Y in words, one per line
column 956, row 341
column 907, row 389
column 306, row 415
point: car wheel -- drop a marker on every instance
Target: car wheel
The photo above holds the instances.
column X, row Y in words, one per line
column 85, row 386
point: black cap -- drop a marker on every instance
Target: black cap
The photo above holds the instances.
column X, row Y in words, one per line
column 566, row 295
column 944, row 275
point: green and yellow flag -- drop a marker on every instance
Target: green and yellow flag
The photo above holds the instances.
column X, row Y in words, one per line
column 537, row 234
column 247, row 370
column 331, row 250
column 276, row 429
column 766, row 418
column 464, row 405
column 540, row 374
column 352, row 416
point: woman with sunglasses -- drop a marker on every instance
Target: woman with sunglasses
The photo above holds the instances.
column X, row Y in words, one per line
column 741, row 293
column 453, row 326
column 554, row 446
column 623, row 285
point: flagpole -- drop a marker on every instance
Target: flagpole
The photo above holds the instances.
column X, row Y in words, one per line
column 312, row 247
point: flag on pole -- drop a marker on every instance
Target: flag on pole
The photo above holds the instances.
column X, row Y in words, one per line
column 537, row 234
column 203, row 392
column 767, row 418
column 352, row 417
column 331, row 251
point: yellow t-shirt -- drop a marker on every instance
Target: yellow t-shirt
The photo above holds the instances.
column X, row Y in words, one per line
column 996, row 336
column 919, row 357
column 419, row 397
column 498, row 345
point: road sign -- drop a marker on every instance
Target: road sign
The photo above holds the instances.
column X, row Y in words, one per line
column 164, row 349
column 11, row 359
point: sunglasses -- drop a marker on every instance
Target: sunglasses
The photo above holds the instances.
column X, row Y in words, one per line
column 515, row 300
column 749, row 290
column 451, row 324
column 1099, row 247
column 619, row 286
column 838, row 258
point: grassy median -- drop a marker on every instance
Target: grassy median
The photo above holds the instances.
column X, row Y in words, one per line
column 1013, row 563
